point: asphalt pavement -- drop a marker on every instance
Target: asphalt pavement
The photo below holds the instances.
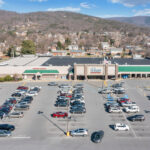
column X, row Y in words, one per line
column 42, row 132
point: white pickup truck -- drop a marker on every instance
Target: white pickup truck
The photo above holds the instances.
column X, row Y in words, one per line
column 127, row 104
column 132, row 109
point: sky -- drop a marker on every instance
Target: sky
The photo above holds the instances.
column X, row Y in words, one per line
column 98, row 8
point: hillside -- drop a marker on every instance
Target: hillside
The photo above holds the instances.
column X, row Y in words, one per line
column 138, row 20
column 63, row 21
column 47, row 28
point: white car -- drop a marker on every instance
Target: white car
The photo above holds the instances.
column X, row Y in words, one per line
column 127, row 104
column 16, row 115
column 132, row 109
column 82, row 101
column 31, row 93
column 36, row 87
column 115, row 110
column 121, row 127
column 79, row 132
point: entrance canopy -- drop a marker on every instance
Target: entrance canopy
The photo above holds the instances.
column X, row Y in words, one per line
column 41, row 72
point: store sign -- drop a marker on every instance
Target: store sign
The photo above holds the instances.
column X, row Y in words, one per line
column 95, row 70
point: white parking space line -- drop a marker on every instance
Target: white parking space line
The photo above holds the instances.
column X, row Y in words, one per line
column 21, row 137
column 129, row 125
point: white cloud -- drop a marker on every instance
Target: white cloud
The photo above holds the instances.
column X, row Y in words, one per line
column 65, row 9
column 38, row 0
column 145, row 12
column 85, row 5
column 131, row 3
column 1, row 2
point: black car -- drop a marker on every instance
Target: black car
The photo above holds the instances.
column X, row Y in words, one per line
column 97, row 136
column 53, row 84
column 77, row 106
column 77, row 103
column 36, row 89
column 62, row 104
column 29, row 98
column 5, row 110
column 7, row 127
column 136, row 118
column 78, row 111
column 16, row 95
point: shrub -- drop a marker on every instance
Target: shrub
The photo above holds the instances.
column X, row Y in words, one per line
column 8, row 78
column 1, row 79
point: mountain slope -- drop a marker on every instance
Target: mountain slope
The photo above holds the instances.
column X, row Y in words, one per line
column 138, row 20
column 63, row 22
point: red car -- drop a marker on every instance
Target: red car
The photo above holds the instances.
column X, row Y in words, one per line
column 60, row 115
column 22, row 88
column 123, row 100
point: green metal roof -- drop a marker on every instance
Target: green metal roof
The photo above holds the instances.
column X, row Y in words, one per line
column 40, row 71
column 134, row 68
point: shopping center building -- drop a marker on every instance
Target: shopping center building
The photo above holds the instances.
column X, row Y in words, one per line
column 67, row 68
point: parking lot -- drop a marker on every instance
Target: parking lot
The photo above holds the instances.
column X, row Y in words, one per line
column 41, row 131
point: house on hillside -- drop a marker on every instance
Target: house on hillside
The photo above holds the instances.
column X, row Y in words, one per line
column 105, row 45
column 116, row 52
column 77, row 53
column 73, row 47
column 59, row 53
column 96, row 53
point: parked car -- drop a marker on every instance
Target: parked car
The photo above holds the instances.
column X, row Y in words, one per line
column 76, row 103
column 121, row 127
column 21, row 107
column 79, row 132
column 16, row 115
column 97, row 136
column 127, row 104
column 78, row 110
column 32, row 93
column 7, row 127
column 136, row 118
column 104, row 91
column 17, row 95
column 53, row 84
column 78, row 86
column 4, row 133
column 35, row 89
column 123, row 100
column 132, row 109
column 62, row 104
column 60, row 115
column 23, row 87
column 115, row 110
column 28, row 97
column 77, row 106
column 119, row 90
